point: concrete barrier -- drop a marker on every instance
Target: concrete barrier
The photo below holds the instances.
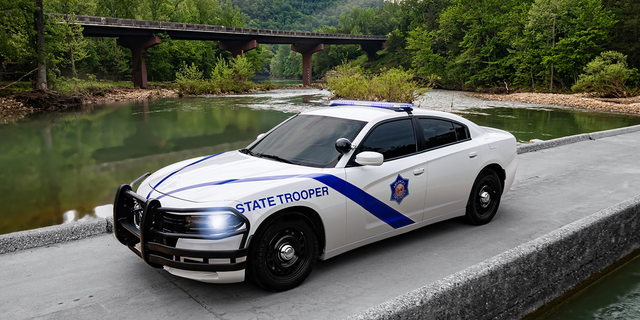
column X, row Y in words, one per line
column 517, row 282
column 532, row 147
column 23, row 240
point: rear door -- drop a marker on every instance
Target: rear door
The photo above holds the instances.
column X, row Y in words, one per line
column 453, row 161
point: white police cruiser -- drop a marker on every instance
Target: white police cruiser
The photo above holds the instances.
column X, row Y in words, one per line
column 319, row 184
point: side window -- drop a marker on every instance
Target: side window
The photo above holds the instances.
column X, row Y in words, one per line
column 437, row 132
column 392, row 139
column 461, row 132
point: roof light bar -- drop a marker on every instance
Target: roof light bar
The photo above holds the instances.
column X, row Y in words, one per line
column 375, row 104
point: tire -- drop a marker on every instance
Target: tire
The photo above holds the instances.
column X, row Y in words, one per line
column 284, row 253
column 484, row 199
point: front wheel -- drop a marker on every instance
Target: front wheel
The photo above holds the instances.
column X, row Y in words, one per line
column 484, row 198
column 284, row 254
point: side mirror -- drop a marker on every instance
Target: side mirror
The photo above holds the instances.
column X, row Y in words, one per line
column 369, row 158
column 260, row 136
column 343, row 145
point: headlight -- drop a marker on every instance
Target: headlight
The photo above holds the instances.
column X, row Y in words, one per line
column 214, row 223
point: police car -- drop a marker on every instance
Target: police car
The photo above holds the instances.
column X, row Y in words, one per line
column 319, row 184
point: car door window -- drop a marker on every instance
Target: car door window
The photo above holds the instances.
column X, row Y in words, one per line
column 393, row 139
column 437, row 132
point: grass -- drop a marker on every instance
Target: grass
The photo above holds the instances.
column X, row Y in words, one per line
column 66, row 86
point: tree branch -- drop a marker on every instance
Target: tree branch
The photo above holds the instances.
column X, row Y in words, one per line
column 26, row 74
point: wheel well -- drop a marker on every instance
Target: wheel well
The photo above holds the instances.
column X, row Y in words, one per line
column 307, row 213
column 498, row 170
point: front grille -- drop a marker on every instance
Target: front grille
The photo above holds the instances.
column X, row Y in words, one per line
column 173, row 223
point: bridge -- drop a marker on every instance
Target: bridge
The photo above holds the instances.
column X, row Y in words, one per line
column 139, row 35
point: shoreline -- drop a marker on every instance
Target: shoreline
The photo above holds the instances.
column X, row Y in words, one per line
column 17, row 106
column 575, row 100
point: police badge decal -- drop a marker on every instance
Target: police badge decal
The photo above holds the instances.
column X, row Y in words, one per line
column 399, row 189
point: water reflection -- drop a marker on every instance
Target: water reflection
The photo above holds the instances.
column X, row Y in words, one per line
column 66, row 166
column 614, row 297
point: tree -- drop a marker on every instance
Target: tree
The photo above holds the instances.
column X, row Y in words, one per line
column 75, row 45
column 425, row 62
column 41, row 83
column 569, row 33
column 16, row 34
column 606, row 74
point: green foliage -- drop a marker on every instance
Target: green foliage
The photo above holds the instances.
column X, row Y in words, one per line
column 352, row 82
column 226, row 76
column 286, row 63
column 189, row 80
column 234, row 76
column 17, row 35
column 300, row 15
column 607, row 75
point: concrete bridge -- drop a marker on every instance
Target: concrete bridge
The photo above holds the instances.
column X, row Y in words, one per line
column 559, row 223
column 139, row 35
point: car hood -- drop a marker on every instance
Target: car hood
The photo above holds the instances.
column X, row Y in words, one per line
column 223, row 177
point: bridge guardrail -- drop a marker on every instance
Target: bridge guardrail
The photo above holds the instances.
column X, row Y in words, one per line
column 108, row 21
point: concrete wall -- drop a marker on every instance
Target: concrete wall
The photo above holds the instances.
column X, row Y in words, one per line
column 518, row 281
column 28, row 239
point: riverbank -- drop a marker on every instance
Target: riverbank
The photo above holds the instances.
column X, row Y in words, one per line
column 19, row 105
column 576, row 100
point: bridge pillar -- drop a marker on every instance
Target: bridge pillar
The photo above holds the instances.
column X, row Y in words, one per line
column 238, row 47
column 307, row 50
column 138, row 47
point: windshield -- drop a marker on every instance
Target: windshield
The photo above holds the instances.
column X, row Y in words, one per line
column 307, row 140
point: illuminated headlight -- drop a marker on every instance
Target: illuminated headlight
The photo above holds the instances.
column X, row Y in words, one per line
column 214, row 223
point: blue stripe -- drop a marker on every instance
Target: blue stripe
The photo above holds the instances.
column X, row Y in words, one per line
column 167, row 177
column 217, row 183
column 368, row 202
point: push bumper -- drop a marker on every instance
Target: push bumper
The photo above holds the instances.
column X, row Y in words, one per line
column 141, row 225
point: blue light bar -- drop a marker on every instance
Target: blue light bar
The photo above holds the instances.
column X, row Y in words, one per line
column 375, row 104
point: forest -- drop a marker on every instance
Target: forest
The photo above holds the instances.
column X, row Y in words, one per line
column 537, row 45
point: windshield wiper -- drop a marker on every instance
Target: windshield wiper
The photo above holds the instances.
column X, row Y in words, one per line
column 274, row 157
column 247, row 151
column 262, row 155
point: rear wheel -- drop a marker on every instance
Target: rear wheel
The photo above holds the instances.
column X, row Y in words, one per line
column 484, row 198
column 283, row 253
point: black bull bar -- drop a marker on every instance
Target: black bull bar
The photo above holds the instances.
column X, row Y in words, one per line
column 157, row 246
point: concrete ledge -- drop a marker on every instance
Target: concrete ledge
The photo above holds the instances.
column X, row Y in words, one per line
column 517, row 282
column 55, row 234
column 532, row 147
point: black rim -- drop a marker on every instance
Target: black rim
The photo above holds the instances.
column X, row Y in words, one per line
column 287, row 253
column 486, row 197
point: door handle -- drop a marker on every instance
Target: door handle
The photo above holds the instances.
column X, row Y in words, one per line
column 418, row 171
column 473, row 154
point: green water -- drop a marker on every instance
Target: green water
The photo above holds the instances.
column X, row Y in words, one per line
column 615, row 297
column 546, row 123
column 66, row 166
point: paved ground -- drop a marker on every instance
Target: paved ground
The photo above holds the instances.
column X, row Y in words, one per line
column 97, row 278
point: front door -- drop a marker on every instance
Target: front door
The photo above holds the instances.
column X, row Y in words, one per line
column 389, row 196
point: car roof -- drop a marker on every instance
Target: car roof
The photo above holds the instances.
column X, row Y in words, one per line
column 368, row 114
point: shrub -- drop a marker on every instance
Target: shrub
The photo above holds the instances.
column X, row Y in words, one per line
column 353, row 82
column 235, row 76
column 189, row 80
column 606, row 75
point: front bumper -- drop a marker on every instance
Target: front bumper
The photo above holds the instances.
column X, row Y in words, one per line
column 151, row 240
